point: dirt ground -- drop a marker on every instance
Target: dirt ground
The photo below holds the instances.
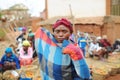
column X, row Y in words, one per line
column 4, row 44
column 116, row 77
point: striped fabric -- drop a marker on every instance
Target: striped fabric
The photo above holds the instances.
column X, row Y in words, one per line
column 54, row 64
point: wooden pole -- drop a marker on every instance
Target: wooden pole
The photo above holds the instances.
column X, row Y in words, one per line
column 73, row 22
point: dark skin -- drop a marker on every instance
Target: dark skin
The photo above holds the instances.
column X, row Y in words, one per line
column 25, row 48
column 61, row 33
column 8, row 54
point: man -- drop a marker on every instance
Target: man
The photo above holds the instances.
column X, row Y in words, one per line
column 59, row 58
column 10, row 60
column 22, row 35
column 82, row 43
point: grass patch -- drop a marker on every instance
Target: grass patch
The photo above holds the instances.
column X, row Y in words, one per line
column 2, row 33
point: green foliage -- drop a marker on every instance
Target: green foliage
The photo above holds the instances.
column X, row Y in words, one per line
column 0, row 15
column 2, row 33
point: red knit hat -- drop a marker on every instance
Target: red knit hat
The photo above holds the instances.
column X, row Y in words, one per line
column 64, row 22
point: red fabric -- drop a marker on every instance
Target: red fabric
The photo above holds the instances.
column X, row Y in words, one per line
column 24, row 62
column 63, row 22
column 74, row 51
column 105, row 42
column 0, row 65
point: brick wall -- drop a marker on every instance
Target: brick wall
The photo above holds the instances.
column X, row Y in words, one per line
column 96, row 29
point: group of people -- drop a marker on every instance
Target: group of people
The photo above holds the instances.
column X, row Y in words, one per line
column 97, row 46
column 23, row 54
column 60, row 57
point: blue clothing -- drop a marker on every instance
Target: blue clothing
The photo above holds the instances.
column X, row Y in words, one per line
column 53, row 63
column 12, row 58
column 82, row 44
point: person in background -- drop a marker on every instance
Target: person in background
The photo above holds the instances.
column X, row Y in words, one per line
column 30, row 30
column 116, row 45
column 31, row 39
column 96, row 50
column 9, row 60
column 22, row 35
column 25, row 53
column 59, row 57
column 82, row 42
column 106, row 44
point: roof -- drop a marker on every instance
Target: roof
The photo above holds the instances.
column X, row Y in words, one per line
column 18, row 7
column 52, row 20
column 85, row 20
column 115, row 19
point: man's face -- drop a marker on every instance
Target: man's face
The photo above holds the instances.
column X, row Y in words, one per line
column 61, row 33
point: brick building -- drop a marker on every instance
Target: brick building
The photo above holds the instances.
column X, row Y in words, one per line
column 102, row 18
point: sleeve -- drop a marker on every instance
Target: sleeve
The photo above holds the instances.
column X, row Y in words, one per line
column 78, row 40
column 82, row 69
column 30, row 52
column 78, row 60
column 2, row 59
column 17, row 62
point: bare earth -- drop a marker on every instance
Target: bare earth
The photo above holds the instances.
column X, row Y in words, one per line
column 4, row 44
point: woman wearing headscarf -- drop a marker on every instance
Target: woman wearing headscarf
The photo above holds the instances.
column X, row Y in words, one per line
column 31, row 39
column 9, row 60
column 25, row 53
column 59, row 58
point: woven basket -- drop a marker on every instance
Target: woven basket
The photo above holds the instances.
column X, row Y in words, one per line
column 0, row 76
column 29, row 67
column 100, row 73
column 37, row 78
column 7, row 75
column 115, row 68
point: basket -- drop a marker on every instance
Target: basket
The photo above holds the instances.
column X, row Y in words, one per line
column 100, row 74
column 9, row 75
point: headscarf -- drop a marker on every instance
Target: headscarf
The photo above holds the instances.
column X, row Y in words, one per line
column 31, row 34
column 64, row 22
column 8, row 50
column 23, row 28
column 26, row 43
column 30, row 30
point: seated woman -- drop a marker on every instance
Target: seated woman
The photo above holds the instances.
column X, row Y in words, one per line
column 9, row 60
column 26, row 53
